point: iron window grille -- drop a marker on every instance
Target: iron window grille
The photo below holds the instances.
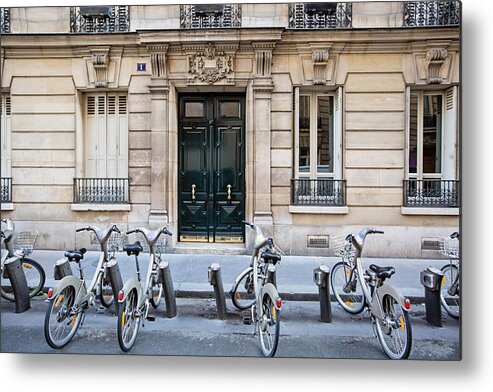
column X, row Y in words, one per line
column 432, row 13
column 320, row 192
column 431, row 193
column 320, row 15
column 5, row 21
column 100, row 19
column 210, row 16
column 6, row 189
column 101, row 190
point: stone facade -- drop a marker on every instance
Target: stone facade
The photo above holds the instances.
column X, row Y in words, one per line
column 371, row 68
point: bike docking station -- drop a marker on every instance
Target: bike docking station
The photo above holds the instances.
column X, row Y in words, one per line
column 431, row 279
column 321, row 279
column 115, row 278
column 215, row 279
column 164, row 277
column 18, row 282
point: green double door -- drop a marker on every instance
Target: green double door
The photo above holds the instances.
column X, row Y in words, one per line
column 211, row 168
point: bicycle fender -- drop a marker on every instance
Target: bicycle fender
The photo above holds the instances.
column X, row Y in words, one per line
column 271, row 291
column 69, row 280
column 129, row 285
column 383, row 290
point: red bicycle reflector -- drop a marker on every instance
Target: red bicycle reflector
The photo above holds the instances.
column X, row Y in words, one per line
column 50, row 293
column 278, row 303
column 121, row 294
column 407, row 304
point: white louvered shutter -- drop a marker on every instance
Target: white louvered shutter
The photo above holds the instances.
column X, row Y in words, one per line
column 6, row 135
column 450, row 134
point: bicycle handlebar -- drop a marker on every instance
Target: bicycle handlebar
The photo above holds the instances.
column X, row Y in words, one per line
column 82, row 229
column 454, row 235
column 248, row 224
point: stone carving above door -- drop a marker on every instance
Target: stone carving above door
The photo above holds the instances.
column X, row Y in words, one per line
column 210, row 65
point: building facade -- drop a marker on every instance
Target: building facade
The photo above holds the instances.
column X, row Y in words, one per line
column 310, row 119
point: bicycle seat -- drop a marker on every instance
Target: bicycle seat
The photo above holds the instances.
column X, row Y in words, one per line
column 382, row 272
column 133, row 249
column 271, row 256
column 76, row 255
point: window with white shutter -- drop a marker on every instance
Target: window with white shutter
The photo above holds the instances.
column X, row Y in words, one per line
column 6, row 135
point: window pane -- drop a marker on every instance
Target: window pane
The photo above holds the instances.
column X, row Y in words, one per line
column 229, row 109
column 194, row 109
column 413, row 135
column 304, row 134
column 325, row 134
column 432, row 133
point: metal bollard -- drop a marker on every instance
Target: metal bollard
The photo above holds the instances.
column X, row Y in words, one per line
column 215, row 280
column 115, row 277
column 431, row 279
column 321, row 279
column 62, row 269
column 164, row 276
column 271, row 274
column 18, row 281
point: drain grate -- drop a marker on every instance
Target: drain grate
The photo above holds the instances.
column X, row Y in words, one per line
column 430, row 243
column 317, row 241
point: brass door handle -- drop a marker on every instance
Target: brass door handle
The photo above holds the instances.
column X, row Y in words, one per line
column 229, row 192
column 193, row 192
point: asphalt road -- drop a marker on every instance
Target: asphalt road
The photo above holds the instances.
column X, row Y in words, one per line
column 197, row 331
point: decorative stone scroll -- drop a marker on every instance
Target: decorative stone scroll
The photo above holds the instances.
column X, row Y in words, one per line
column 210, row 66
column 263, row 58
column 320, row 59
column 435, row 59
column 100, row 61
column 158, row 60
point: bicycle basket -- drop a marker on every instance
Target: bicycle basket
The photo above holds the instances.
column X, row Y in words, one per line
column 341, row 247
column 449, row 247
column 116, row 241
column 24, row 241
column 159, row 247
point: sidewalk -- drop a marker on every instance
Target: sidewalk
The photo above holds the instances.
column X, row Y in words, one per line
column 294, row 273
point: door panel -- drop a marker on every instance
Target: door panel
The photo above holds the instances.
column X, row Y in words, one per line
column 211, row 162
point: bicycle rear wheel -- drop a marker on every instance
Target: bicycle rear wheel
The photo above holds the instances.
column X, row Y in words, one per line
column 450, row 294
column 394, row 331
column 35, row 277
column 61, row 319
column 269, row 327
column 106, row 295
column 242, row 294
column 128, row 322
column 156, row 292
column 346, row 288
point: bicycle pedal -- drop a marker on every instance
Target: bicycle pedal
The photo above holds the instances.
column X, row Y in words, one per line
column 247, row 320
column 151, row 318
column 100, row 309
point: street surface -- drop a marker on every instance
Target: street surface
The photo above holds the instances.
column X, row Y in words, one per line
column 197, row 331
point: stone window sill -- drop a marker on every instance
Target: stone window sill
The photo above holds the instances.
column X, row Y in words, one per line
column 100, row 207
column 319, row 210
column 7, row 207
column 430, row 211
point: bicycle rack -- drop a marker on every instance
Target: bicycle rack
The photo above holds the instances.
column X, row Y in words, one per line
column 215, row 279
column 15, row 273
column 164, row 276
column 115, row 277
column 321, row 279
column 431, row 279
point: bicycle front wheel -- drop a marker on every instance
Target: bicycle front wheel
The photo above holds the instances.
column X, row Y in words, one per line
column 346, row 288
column 156, row 292
column 61, row 319
column 128, row 322
column 106, row 295
column 35, row 277
column 394, row 330
column 450, row 294
column 269, row 327
column 242, row 295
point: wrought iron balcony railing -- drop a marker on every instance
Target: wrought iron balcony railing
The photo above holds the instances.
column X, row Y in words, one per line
column 101, row 190
column 5, row 21
column 321, row 192
column 320, row 15
column 100, row 19
column 210, row 16
column 6, row 189
column 432, row 13
column 431, row 193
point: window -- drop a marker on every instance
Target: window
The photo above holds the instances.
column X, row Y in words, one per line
column 100, row 19
column 6, row 140
column 320, row 15
column 210, row 16
column 318, row 156
column 106, row 150
column 431, row 151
